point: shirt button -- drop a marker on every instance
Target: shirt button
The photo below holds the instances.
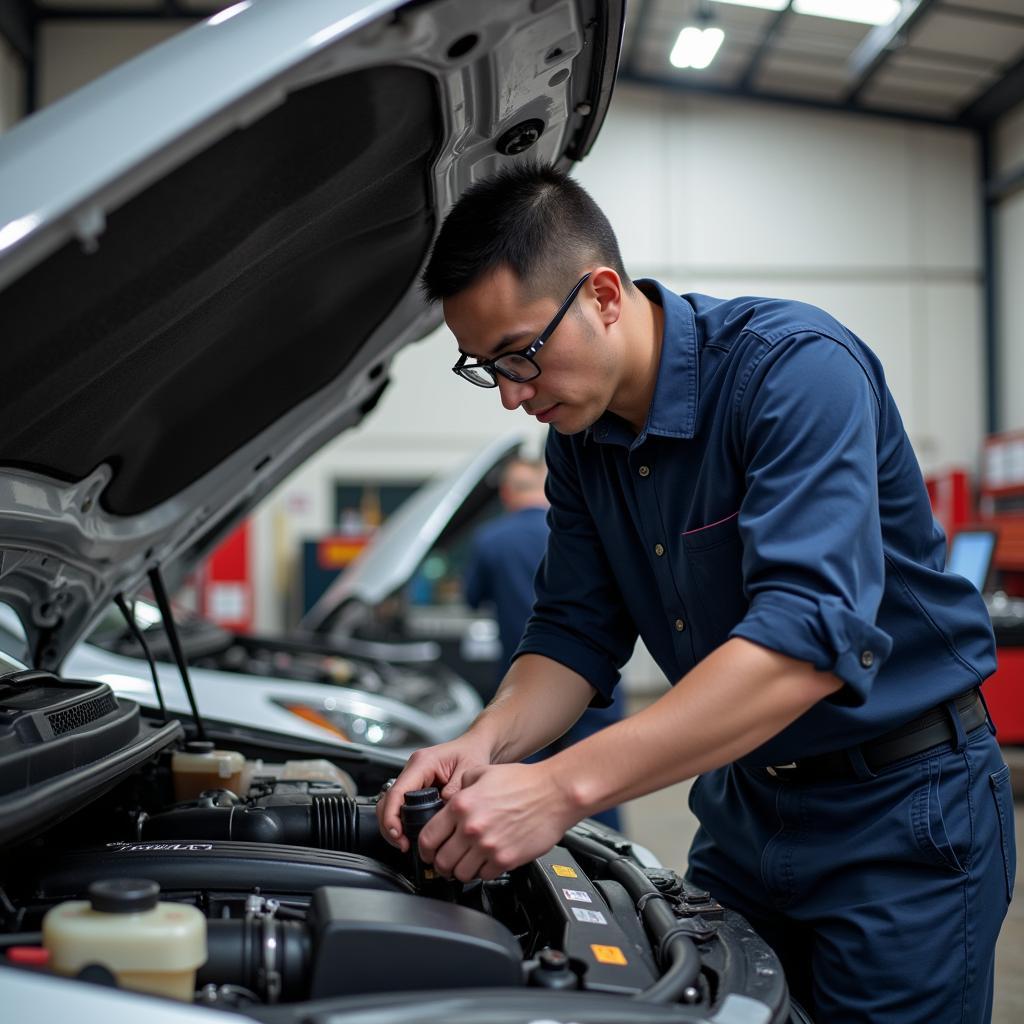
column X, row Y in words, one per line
column 867, row 659
column 680, row 625
column 644, row 470
column 659, row 549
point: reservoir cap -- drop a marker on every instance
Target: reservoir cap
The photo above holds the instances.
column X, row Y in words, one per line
column 123, row 895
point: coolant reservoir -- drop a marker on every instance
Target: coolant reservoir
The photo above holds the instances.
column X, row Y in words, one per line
column 149, row 946
column 199, row 767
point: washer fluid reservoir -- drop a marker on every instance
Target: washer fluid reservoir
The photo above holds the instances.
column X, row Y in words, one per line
column 199, row 767
column 147, row 945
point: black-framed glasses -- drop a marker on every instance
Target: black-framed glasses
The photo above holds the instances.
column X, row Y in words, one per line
column 516, row 366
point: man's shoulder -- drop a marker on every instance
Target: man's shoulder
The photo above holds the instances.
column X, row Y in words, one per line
column 769, row 319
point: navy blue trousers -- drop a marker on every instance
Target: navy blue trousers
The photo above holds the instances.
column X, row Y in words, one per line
column 882, row 895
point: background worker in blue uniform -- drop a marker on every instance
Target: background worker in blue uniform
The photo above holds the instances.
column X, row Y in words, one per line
column 732, row 480
column 504, row 556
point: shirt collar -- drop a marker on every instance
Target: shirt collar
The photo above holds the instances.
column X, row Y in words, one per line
column 673, row 411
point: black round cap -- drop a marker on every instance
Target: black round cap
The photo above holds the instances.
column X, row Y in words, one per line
column 422, row 797
column 123, row 895
column 199, row 746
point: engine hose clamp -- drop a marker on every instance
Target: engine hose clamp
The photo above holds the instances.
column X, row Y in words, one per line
column 646, row 898
column 271, row 976
column 695, row 929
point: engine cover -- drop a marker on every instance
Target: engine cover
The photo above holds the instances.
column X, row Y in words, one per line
column 370, row 941
column 189, row 865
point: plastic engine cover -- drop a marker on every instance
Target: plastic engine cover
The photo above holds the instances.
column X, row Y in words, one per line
column 367, row 941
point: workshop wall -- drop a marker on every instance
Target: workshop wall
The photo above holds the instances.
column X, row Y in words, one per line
column 72, row 53
column 1009, row 159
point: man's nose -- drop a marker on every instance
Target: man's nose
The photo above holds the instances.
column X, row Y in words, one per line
column 513, row 393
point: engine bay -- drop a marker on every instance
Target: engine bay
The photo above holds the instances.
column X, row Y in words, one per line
column 272, row 856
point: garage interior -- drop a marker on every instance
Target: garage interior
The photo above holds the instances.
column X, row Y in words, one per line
column 876, row 170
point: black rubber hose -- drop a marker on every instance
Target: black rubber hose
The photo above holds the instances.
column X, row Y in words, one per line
column 674, row 949
column 323, row 822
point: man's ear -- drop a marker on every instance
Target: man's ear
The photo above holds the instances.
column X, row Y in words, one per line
column 607, row 286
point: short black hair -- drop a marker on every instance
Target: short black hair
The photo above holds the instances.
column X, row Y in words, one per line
column 532, row 218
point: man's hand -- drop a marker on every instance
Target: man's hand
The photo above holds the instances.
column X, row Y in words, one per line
column 444, row 766
column 502, row 816
column 537, row 701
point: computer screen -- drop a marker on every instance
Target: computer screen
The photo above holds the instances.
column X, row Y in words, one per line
column 970, row 555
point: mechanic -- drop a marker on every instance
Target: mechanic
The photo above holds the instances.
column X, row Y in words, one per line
column 732, row 480
column 505, row 553
column 504, row 556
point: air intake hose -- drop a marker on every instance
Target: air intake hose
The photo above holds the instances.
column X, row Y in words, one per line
column 325, row 822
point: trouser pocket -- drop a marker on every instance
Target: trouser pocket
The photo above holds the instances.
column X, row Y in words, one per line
column 929, row 823
column 999, row 782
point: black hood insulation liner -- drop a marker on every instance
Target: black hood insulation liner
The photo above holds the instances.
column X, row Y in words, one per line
column 225, row 294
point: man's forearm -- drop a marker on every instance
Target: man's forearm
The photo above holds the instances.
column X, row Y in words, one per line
column 733, row 701
column 538, row 700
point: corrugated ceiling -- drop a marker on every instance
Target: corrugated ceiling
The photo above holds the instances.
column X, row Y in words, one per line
column 958, row 61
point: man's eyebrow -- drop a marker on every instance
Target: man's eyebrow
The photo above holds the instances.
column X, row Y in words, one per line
column 502, row 344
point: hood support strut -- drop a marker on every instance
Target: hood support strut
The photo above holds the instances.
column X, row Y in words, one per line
column 160, row 593
column 140, row 639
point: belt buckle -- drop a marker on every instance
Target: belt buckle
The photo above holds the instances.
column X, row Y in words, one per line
column 774, row 769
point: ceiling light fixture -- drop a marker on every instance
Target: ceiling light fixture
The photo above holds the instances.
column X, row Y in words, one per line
column 696, row 47
column 864, row 12
column 764, row 5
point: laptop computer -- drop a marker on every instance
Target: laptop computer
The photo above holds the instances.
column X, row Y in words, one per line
column 970, row 555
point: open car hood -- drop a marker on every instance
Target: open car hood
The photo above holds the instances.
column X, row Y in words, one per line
column 400, row 545
column 209, row 257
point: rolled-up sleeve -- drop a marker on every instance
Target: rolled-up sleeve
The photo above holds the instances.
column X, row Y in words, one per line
column 579, row 618
column 813, row 565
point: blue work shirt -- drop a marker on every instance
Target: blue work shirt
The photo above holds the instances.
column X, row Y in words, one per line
column 504, row 558
column 772, row 494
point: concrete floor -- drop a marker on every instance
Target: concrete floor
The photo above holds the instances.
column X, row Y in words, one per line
column 663, row 823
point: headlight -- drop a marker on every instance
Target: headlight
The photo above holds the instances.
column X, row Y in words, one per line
column 353, row 726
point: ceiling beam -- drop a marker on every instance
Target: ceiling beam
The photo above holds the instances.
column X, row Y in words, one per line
column 765, row 45
column 1000, row 97
column 876, row 46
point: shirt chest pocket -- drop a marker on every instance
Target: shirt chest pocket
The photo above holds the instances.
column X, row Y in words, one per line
column 712, row 577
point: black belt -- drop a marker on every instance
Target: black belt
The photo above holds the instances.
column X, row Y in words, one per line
column 928, row 730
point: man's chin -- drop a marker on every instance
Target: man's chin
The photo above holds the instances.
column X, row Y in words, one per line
column 569, row 424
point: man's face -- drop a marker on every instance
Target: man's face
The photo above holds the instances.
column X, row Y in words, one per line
column 495, row 316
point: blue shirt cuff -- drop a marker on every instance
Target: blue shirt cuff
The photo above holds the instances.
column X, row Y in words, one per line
column 823, row 632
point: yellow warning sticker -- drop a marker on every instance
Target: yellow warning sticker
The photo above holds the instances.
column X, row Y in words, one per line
column 562, row 871
column 609, row 955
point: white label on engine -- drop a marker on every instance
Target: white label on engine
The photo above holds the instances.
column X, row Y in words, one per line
column 578, row 895
column 590, row 916
column 150, row 847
